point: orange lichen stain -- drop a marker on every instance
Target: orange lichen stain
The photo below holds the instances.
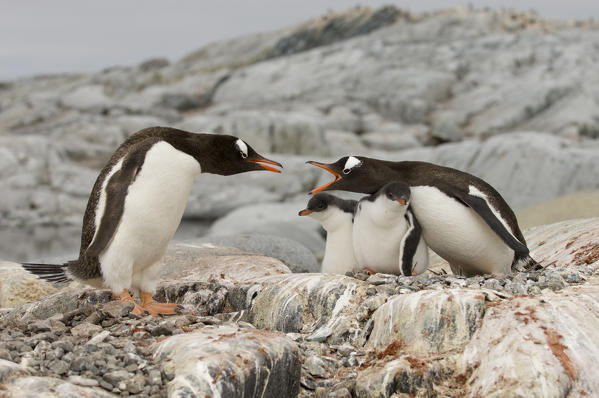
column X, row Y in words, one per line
column 569, row 244
column 391, row 349
column 587, row 254
column 558, row 350
column 416, row 363
column 584, row 393
column 541, row 243
column 364, row 365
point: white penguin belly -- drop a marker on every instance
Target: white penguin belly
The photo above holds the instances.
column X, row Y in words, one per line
column 377, row 246
column 152, row 211
column 339, row 253
column 458, row 234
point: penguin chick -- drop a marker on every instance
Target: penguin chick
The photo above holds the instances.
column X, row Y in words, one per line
column 386, row 235
column 136, row 206
column 336, row 217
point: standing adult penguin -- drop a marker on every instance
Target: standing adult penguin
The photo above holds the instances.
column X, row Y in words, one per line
column 336, row 217
column 463, row 218
column 387, row 237
column 136, row 206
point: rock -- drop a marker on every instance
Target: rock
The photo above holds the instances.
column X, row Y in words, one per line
column 255, row 363
column 296, row 256
column 305, row 302
column 203, row 262
column 428, row 321
column 63, row 302
column 390, row 141
column 572, row 242
column 87, row 98
column 567, row 207
column 18, row 286
column 341, row 143
column 557, row 329
column 248, row 218
column 446, row 127
column 10, row 370
column 51, row 387
column 85, row 330
column 116, row 309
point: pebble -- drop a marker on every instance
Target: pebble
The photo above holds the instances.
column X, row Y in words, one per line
column 85, row 330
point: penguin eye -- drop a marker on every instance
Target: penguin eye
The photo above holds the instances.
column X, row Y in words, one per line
column 346, row 171
column 243, row 154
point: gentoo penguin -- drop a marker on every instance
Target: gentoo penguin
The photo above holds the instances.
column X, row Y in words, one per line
column 387, row 237
column 336, row 216
column 463, row 218
column 136, row 206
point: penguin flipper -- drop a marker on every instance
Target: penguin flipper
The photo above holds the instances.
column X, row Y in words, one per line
column 116, row 192
column 409, row 244
column 481, row 207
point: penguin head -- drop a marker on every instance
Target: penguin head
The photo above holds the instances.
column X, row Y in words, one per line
column 227, row 155
column 353, row 173
column 318, row 206
column 396, row 194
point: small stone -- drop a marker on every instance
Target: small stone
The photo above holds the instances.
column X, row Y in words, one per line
column 295, row 336
column 340, row 393
column 162, row 330
column 83, row 381
column 5, row 354
column 154, row 377
column 320, row 334
column 59, row 367
column 85, row 330
column 317, row 367
column 136, row 384
column 116, row 309
column 572, row 277
column 100, row 337
column 379, row 279
column 40, row 326
column 117, row 377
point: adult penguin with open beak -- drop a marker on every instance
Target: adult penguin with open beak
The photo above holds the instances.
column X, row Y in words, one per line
column 136, row 206
column 463, row 218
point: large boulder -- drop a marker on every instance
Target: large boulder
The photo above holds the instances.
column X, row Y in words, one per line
column 231, row 362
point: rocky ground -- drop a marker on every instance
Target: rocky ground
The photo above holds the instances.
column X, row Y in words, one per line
column 507, row 96
column 251, row 327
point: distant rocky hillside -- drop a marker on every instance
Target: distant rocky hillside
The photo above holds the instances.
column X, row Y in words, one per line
column 506, row 96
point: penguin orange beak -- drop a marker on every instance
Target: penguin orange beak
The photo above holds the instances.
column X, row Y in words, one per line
column 263, row 160
column 401, row 202
column 304, row 212
column 327, row 168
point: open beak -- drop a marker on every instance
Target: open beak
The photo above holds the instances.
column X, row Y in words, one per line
column 262, row 160
column 327, row 168
column 401, row 202
column 304, row 212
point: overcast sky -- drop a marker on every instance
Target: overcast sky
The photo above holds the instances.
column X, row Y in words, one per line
column 51, row 36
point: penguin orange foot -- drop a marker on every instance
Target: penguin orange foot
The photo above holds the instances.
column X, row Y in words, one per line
column 155, row 309
column 126, row 298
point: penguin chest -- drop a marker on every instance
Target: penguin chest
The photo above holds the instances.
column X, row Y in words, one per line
column 457, row 233
column 377, row 246
column 339, row 253
column 154, row 205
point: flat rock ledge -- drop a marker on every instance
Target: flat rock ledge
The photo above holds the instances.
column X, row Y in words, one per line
column 264, row 334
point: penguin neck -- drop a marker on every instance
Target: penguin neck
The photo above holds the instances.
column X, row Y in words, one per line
column 383, row 212
column 335, row 219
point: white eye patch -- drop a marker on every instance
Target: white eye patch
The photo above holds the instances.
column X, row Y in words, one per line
column 242, row 147
column 351, row 163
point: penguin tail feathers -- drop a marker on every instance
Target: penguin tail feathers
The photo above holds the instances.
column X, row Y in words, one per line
column 525, row 263
column 54, row 273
